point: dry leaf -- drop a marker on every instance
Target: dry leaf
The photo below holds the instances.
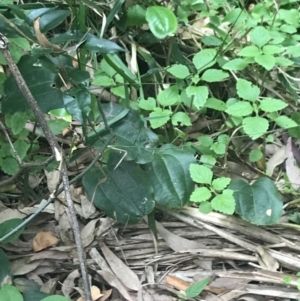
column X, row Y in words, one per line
column 95, row 292
column 43, row 41
column 123, row 272
column 292, row 169
column 44, row 240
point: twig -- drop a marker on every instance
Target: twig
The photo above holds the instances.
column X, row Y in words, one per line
column 55, row 150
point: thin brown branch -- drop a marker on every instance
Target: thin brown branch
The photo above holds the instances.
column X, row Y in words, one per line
column 55, row 150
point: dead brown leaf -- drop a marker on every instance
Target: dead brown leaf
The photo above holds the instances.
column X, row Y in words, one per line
column 44, row 240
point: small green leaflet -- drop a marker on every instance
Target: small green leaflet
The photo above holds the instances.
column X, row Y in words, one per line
column 255, row 155
column 265, row 60
column 224, row 202
column 204, row 58
column 272, row 105
column 235, row 65
column 255, row 127
column 159, row 117
column 214, row 75
column 169, row 96
column 247, row 90
column 260, row 36
column 201, row 174
column 285, row 122
column 196, row 288
column 200, row 194
column 240, row 109
column 179, row 71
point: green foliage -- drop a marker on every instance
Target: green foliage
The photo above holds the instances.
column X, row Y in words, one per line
column 9, row 225
column 165, row 84
column 249, row 205
column 196, row 288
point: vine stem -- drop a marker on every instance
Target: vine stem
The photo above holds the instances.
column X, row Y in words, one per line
column 57, row 154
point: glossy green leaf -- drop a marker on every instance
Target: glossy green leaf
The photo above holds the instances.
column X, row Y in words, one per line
column 10, row 293
column 5, row 271
column 123, row 193
column 169, row 175
column 52, row 19
column 77, row 102
column 162, row 21
column 43, row 82
column 96, row 44
column 131, row 135
column 258, row 203
column 35, row 295
column 8, row 226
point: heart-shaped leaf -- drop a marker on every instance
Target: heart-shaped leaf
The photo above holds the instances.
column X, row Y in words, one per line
column 123, row 193
column 170, row 176
column 162, row 21
column 43, row 82
column 258, row 203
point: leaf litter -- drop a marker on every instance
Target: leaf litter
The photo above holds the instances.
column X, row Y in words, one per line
column 241, row 259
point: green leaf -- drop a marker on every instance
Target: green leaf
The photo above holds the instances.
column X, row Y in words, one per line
column 52, row 19
column 214, row 75
column 200, row 94
column 282, row 61
column 204, row 58
column 147, row 104
column 162, row 21
column 78, row 102
column 200, row 194
column 208, row 160
column 169, row 96
column 181, row 118
column 169, row 175
column 272, row 49
column 159, row 117
column 43, row 82
column 5, row 271
column 240, row 108
column 247, row 90
column 216, row 104
column 249, row 204
column 21, row 147
column 249, row 51
column 219, row 148
column 136, row 15
column 294, row 132
column 285, row 122
column 224, row 202
column 220, row 183
column 255, row 155
column 255, row 127
column 201, row 174
column 17, row 122
column 118, row 91
column 288, row 28
column 10, row 293
column 179, row 71
column 103, row 81
column 205, row 207
column 96, row 44
column 265, row 60
column 8, row 226
column 272, row 105
column 131, row 135
column 55, row 298
column 123, row 193
column 10, row 166
column 287, row 279
column 196, row 288
column 260, row 36
column 235, row 65
column 34, row 295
